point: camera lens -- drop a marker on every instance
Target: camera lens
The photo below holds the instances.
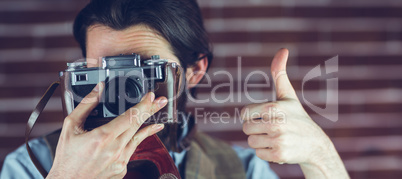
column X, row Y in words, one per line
column 121, row 93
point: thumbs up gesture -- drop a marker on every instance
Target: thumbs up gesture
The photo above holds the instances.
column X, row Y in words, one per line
column 292, row 137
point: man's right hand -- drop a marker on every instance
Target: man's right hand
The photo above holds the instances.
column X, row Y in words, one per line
column 105, row 151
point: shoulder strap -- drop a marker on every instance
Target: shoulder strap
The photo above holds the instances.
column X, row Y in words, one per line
column 31, row 122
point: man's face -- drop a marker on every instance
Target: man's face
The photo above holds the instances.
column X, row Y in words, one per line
column 140, row 39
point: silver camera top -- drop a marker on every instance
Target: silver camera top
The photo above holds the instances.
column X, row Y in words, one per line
column 121, row 61
column 133, row 60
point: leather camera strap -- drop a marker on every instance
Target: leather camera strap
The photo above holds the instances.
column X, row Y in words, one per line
column 32, row 120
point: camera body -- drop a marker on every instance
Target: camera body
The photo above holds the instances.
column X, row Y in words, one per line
column 127, row 79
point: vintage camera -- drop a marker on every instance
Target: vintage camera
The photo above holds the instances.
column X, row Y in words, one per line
column 127, row 79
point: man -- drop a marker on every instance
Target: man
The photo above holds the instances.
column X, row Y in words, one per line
column 174, row 30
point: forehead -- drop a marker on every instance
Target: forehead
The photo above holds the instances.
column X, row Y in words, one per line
column 104, row 41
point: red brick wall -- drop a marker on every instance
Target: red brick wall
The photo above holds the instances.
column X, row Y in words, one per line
column 36, row 41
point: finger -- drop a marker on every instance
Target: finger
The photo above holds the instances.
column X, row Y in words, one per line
column 255, row 127
column 259, row 111
column 283, row 86
column 128, row 134
column 260, row 141
column 78, row 116
column 135, row 116
column 271, row 155
column 140, row 136
column 160, row 103
column 93, row 62
column 130, row 118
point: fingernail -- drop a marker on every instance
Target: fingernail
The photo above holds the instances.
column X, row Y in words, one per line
column 96, row 89
column 152, row 96
column 158, row 127
column 162, row 102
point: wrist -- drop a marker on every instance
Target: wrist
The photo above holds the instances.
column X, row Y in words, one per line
column 51, row 175
column 325, row 163
column 58, row 171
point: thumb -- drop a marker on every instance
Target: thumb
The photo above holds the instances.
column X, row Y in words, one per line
column 283, row 86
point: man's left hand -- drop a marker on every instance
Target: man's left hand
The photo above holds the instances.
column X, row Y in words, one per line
column 283, row 132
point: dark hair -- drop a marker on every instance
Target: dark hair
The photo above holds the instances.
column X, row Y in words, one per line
column 178, row 21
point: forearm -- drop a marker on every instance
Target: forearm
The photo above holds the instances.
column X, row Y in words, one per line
column 327, row 165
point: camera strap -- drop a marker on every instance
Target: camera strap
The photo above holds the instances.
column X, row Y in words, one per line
column 32, row 120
